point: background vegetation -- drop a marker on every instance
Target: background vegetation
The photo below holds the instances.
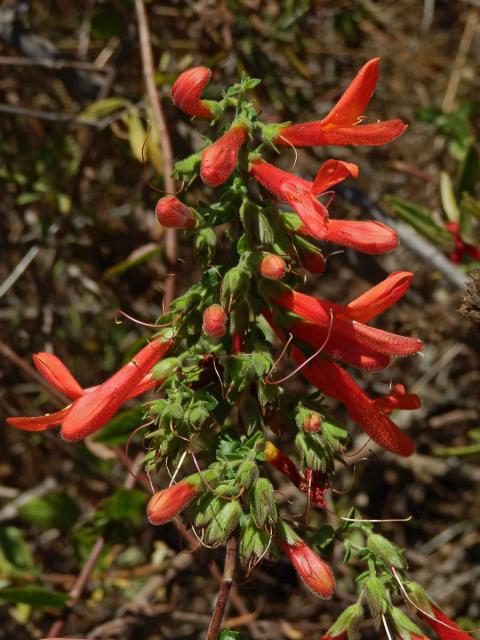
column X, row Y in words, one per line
column 79, row 240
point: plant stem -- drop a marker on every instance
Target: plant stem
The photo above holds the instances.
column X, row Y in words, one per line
column 224, row 591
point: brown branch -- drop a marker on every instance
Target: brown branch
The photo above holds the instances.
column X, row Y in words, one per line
column 161, row 126
column 224, row 591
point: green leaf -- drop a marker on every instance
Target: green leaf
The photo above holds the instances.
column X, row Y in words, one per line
column 102, row 108
column 51, row 511
column 15, row 555
column 38, row 597
column 324, row 538
column 137, row 135
column 420, row 219
column 139, row 256
column 469, row 175
column 125, row 506
column 228, row 634
column 447, row 195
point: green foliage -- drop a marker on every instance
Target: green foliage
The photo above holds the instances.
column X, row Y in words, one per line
column 37, row 597
column 53, row 510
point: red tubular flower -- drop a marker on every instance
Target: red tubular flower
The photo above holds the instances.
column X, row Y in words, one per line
column 174, row 214
column 335, row 382
column 315, row 574
column 92, row 407
column 444, row 627
column 272, row 267
column 214, row 321
column 369, row 237
column 187, row 89
column 349, row 339
column 283, row 463
column 164, row 505
column 220, row 158
column 341, row 126
column 312, row 483
column 398, row 398
column 297, row 192
column 93, row 410
column 56, row 373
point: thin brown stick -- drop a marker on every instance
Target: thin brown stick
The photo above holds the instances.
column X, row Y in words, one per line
column 224, row 591
column 80, row 584
column 166, row 145
column 469, row 32
column 58, row 398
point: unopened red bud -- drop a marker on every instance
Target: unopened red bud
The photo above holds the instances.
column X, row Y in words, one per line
column 164, row 505
column 272, row 267
column 220, row 158
column 215, row 321
column 312, row 570
column 187, row 89
column 312, row 423
column 172, row 213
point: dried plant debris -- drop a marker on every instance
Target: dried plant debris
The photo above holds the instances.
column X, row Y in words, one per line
column 471, row 303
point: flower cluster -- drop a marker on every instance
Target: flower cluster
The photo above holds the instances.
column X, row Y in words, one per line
column 220, row 412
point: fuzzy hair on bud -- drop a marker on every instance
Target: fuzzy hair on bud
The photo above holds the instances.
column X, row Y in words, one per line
column 174, row 214
column 215, row 321
column 187, row 89
column 312, row 423
column 164, row 505
column 272, row 267
column 220, row 158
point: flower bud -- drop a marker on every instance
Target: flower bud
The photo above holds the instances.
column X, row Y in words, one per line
column 220, row 158
column 272, row 267
column 418, row 595
column 385, row 550
column 312, row 423
column 376, row 596
column 262, row 500
column 253, row 543
column 163, row 369
column 224, row 523
column 187, row 89
column 347, row 623
column 247, row 474
column 214, row 321
column 174, row 214
column 164, row 505
column 315, row 574
column 403, row 623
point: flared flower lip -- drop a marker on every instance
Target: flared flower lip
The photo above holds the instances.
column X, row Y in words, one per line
column 343, row 124
column 92, row 407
